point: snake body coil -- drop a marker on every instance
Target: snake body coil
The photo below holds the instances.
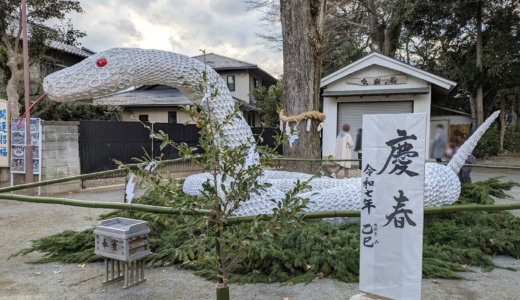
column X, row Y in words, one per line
column 121, row 68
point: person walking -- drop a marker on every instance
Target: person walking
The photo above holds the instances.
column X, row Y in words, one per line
column 359, row 147
column 439, row 143
column 343, row 144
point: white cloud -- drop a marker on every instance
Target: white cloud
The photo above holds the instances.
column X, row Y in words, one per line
column 183, row 26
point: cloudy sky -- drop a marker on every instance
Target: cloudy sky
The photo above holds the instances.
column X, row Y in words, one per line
column 184, row 26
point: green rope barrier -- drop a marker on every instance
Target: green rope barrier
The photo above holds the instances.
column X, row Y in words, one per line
column 100, row 204
column 236, row 220
column 97, row 174
column 72, row 178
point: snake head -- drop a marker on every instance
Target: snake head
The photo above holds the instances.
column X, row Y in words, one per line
column 101, row 74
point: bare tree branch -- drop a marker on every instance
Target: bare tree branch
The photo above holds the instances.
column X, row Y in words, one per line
column 18, row 35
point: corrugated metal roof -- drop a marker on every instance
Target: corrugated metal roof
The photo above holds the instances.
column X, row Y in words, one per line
column 143, row 98
column 222, row 62
column 83, row 52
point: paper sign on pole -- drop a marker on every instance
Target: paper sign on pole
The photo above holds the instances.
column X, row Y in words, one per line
column 18, row 145
column 392, row 208
column 4, row 135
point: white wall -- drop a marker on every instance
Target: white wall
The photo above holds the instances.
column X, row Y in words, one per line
column 159, row 114
column 421, row 104
column 242, row 81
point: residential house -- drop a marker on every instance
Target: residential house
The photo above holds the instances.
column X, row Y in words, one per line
column 57, row 56
column 159, row 103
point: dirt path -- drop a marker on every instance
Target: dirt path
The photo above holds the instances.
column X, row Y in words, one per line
column 21, row 222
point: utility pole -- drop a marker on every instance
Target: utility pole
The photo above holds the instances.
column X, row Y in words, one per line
column 29, row 177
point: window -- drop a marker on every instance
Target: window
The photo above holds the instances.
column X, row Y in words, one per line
column 256, row 83
column 231, row 82
column 251, row 119
column 172, row 117
column 143, row 118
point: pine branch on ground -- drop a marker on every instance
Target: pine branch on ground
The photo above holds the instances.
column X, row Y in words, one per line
column 452, row 241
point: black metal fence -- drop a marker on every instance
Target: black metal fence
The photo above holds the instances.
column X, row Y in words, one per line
column 102, row 141
column 269, row 137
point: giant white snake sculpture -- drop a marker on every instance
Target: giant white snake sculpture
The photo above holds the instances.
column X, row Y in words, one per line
column 121, row 68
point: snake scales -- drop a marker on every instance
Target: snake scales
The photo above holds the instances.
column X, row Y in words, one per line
column 121, row 68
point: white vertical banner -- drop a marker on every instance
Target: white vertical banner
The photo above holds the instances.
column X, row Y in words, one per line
column 394, row 148
column 4, row 134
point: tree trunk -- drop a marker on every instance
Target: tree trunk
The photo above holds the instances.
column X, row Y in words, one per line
column 12, row 95
column 408, row 47
column 516, row 127
column 516, row 111
column 377, row 29
column 302, row 26
column 480, row 97
column 473, row 106
column 502, row 122
column 393, row 31
column 13, row 83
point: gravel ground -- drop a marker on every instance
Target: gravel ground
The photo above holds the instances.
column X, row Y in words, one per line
column 22, row 222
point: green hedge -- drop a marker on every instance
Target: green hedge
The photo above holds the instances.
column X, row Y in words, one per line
column 77, row 111
column 316, row 248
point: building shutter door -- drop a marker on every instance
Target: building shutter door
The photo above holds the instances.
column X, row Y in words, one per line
column 352, row 113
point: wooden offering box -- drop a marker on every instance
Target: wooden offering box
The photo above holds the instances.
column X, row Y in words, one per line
column 122, row 239
column 124, row 245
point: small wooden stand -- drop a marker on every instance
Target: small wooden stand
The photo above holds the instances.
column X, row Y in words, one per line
column 124, row 245
column 132, row 272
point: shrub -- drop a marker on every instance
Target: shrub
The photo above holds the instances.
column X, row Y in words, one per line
column 512, row 139
column 451, row 241
column 489, row 143
column 77, row 111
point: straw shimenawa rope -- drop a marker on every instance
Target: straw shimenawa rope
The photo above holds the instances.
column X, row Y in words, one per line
column 306, row 115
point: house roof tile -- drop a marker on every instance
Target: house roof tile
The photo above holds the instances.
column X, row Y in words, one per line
column 79, row 51
column 219, row 62
column 143, row 98
column 156, row 95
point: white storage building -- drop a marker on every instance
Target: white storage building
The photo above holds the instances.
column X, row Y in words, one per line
column 376, row 84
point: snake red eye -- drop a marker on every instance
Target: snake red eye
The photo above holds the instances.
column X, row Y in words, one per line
column 101, row 62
